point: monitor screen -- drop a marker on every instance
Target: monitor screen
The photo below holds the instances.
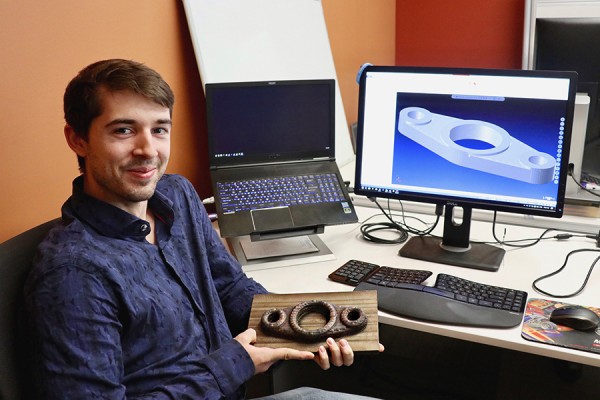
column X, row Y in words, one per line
column 464, row 139
column 251, row 122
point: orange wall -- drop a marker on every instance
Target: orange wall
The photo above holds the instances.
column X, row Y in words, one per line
column 43, row 44
column 359, row 31
column 461, row 33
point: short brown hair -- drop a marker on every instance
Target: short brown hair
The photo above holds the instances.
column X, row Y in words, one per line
column 81, row 99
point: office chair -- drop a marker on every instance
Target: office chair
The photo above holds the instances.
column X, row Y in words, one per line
column 16, row 255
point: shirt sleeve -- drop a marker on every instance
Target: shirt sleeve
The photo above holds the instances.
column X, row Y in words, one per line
column 76, row 326
column 236, row 290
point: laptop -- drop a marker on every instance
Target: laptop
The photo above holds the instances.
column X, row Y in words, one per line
column 276, row 137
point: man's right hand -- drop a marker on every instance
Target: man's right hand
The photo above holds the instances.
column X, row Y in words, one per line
column 264, row 357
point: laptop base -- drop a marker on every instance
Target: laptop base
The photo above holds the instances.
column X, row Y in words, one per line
column 282, row 252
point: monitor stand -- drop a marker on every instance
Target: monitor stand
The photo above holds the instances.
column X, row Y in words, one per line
column 279, row 252
column 454, row 248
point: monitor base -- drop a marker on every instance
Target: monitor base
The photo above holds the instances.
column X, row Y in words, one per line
column 480, row 256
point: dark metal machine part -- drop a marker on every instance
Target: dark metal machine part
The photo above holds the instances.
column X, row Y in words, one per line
column 341, row 321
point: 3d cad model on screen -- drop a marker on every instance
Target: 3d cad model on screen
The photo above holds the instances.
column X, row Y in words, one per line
column 503, row 154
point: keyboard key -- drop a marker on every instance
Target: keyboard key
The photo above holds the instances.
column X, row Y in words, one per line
column 439, row 292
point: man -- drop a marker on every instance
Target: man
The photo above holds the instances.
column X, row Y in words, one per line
column 133, row 295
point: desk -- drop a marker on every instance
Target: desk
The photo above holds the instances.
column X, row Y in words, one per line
column 520, row 267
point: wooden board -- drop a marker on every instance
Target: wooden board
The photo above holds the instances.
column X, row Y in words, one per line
column 366, row 340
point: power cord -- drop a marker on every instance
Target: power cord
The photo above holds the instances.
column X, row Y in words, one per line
column 401, row 228
column 562, row 296
column 534, row 241
column 367, row 229
column 558, row 236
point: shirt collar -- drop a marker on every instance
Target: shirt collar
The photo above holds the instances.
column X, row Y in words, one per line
column 112, row 221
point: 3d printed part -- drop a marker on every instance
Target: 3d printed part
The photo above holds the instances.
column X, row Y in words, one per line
column 505, row 155
column 341, row 321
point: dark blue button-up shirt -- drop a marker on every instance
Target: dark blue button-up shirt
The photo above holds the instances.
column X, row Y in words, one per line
column 113, row 316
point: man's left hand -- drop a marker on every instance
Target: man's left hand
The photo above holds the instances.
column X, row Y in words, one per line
column 340, row 353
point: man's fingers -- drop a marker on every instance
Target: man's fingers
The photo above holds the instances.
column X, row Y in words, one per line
column 336, row 353
column 322, row 358
column 291, row 354
column 247, row 337
column 346, row 352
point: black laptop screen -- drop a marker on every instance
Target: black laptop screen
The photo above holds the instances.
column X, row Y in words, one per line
column 278, row 121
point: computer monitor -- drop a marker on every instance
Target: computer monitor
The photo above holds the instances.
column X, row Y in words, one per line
column 571, row 44
column 464, row 139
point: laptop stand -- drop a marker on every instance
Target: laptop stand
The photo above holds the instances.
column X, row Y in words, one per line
column 280, row 252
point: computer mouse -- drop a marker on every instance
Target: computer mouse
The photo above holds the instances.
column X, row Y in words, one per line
column 576, row 317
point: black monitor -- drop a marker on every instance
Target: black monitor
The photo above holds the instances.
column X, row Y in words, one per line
column 572, row 44
column 464, row 139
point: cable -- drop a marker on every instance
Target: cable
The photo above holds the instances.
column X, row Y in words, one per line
column 401, row 228
column 438, row 212
column 368, row 229
column 511, row 243
column 562, row 296
column 558, row 236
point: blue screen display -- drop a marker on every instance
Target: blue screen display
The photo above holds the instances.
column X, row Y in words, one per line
column 535, row 123
column 494, row 139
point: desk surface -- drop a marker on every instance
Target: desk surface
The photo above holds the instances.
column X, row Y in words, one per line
column 520, row 267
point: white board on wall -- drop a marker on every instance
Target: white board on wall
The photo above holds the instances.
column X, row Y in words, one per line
column 261, row 40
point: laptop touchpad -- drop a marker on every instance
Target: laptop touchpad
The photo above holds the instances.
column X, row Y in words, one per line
column 270, row 219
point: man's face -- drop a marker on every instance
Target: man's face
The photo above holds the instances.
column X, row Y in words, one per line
column 127, row 150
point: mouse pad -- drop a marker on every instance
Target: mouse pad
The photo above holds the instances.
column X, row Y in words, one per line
column 537, row 327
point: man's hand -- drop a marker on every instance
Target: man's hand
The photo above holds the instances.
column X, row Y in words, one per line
column 264, row 357
column 340, row 353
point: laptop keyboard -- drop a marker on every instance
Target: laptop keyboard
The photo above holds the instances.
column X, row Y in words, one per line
column 279, row 191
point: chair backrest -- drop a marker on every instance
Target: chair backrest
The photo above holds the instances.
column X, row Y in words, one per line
column 16, row 255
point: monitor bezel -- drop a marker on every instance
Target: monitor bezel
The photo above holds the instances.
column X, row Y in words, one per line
column 467, row 202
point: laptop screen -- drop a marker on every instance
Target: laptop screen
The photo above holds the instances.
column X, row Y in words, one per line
column 270, row 122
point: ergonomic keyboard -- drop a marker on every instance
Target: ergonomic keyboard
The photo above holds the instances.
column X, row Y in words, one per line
column 355, row 271
column 279, row 191
column 452, row 300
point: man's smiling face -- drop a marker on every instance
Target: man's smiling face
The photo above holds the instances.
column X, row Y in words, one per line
column 127, row 149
